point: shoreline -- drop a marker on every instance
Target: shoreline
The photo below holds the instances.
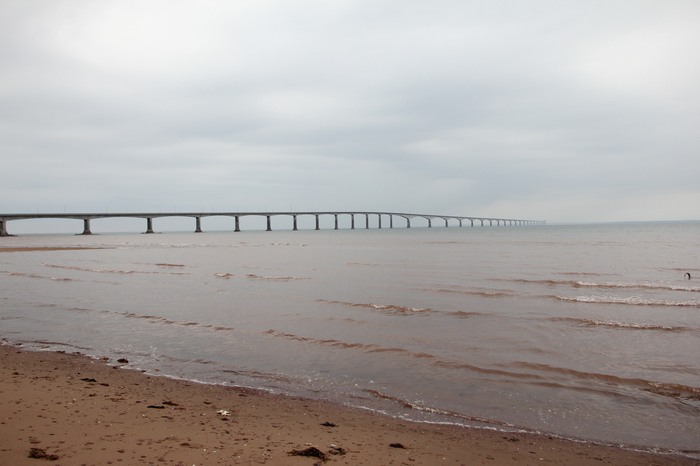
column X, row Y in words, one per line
column 85, row 411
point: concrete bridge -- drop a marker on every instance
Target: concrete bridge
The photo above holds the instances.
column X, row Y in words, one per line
column 481, row 221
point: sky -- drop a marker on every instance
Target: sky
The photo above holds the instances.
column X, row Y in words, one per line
column 575, row 111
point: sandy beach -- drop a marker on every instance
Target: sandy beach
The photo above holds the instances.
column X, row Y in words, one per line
column 68, row 409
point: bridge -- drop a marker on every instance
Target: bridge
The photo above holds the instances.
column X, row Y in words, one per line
column 197, row 216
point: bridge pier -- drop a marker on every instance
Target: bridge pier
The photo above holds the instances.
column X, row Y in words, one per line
column 379, row 217
column 352, row 221
column 238, row 223
column 391, row 221
column 336, row 221
column 317, row 226
column 198, row 228
column 269, row 224
column 149, row 225
column 460, row 222
column 366, row 221
column 294, row 223
column 3, row 230
column 446, row 224
column 430, row 224
column 86, row 227
column 408, row 222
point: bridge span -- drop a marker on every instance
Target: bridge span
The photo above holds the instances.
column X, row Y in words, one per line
column 481, row 221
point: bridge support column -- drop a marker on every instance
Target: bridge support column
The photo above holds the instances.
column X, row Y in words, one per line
column 408, row 223
column 238, row 223
column 336, row 221
column 460, row 222
column 352, row 221
column 86, row 227
column 430, row 224
column 3, row 230
column 391, row 221
column 379, row 217
column 446, row 224
column 149, row 225
column 367, row 221
column 317, row 226
column 269, row 225
column 471, row 220
column 294, row 223
column 198, row 228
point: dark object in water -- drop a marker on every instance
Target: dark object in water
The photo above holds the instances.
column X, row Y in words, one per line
column 329, row 424
column 156, row 407
column 311, row 452
column 41, row 454
column 123, row 361
column 687, row 275
column 89, row 380
column 397, row 445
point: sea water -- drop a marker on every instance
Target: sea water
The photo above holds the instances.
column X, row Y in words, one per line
column 589, row 332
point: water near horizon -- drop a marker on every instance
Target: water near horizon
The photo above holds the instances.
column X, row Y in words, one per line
column 588, row 332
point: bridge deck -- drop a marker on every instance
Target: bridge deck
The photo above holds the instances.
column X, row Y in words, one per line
column 86, row 217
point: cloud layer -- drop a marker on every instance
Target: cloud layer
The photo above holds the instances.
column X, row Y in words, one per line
column 565, row 111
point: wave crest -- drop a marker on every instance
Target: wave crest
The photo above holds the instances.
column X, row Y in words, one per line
column 630, row 300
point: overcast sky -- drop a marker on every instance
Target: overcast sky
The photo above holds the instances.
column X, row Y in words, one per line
column 569, row 111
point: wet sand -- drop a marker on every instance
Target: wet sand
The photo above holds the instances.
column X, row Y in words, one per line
column 77, row 411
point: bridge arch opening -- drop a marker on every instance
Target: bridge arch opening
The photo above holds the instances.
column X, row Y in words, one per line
column 43, row 226
column 253, row 222
column 116, row 225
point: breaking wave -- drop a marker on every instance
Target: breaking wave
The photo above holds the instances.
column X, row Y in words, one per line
column 622, row 325
column 630, row 300
column 486, row 294
column 610, row 285
column 387, row 308
column 427, row 409
column 367, row 347
column 653, row 286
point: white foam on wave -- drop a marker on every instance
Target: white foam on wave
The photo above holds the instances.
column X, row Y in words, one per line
column 630, row 300
column 653, row 286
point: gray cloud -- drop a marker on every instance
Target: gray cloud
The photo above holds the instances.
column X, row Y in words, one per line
column 581, row 111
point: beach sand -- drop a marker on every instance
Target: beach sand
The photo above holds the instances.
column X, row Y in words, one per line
column 86, row 412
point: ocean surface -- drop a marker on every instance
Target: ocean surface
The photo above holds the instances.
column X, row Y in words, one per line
column 588, row 332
